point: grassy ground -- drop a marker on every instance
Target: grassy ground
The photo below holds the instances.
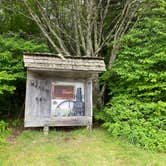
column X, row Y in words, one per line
column 74, row 148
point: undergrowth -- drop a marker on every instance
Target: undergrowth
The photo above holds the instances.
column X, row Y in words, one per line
column 4, row 130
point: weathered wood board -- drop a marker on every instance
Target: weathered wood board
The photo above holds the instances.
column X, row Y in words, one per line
column 38, row 98
column 38, row 102
column 60, row 121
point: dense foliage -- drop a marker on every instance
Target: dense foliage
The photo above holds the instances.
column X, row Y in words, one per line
column 137, row 83
column 12, row 75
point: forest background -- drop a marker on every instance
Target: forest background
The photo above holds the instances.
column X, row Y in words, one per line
column 128, row 34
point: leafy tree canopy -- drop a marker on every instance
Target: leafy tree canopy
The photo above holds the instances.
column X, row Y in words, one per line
column 11, row 65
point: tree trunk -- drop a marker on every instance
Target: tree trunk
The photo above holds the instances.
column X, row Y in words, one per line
column 97, row 98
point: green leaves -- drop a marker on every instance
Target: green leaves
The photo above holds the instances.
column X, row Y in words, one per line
column 11, row 60
column 4, row 130
column 4, row 77
column 12, row 72
column 137, row 83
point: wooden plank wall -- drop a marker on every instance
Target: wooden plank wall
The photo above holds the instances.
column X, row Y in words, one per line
column 38, row 99
column 88, row 98
column 61, row 121
column 38, row 103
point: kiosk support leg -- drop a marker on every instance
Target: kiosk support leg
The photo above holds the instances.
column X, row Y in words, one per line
column 89, row 127
column 45, row 130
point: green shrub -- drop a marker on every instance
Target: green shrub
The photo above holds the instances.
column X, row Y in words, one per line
column 137, row 83
column 140, row 123
column 4, row 130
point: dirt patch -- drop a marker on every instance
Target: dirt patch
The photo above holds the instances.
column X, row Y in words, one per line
column 15, row 132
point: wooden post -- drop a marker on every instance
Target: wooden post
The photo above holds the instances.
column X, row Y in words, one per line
column 45, row 130
column 89, row 127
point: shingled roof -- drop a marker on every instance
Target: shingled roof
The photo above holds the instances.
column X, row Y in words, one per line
column 50, row 61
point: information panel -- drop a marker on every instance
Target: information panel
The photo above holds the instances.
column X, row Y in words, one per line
column 67, row 99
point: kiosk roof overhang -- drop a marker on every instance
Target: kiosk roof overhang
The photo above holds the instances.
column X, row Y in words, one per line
column 47, row 61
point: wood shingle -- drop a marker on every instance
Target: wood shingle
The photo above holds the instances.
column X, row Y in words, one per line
column 44, row 61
